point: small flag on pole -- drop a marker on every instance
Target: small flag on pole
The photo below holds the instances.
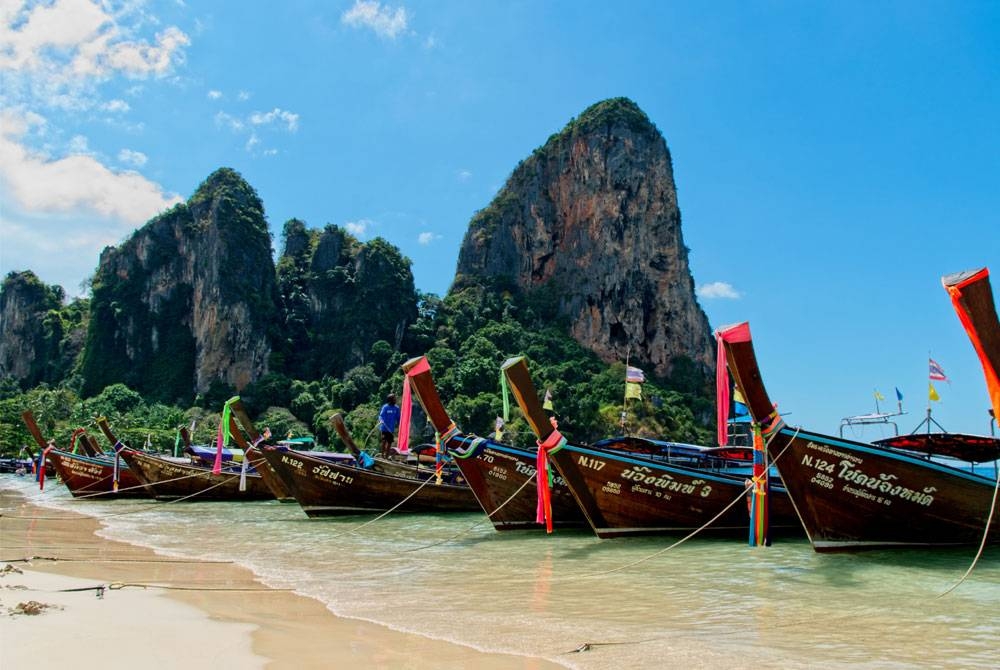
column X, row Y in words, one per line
column 547, row 403
column 879, row 396
column 633, row 390
column 634, row 375
column 936, row 372
column 739, row 404
column 899, row 394
column 932, row 393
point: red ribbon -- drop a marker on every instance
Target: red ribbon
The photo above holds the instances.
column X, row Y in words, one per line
column 543, row 512
column 41, row 467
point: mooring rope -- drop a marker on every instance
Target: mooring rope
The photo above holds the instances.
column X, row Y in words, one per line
column 742, row 496
column 118, row 586
column 982, row 544
column 475, row 525
column 371, row 521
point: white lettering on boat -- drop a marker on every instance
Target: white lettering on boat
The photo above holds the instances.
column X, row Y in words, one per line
column 879, row 489
column 592, row 463
column 334, row 476
column 640, row 474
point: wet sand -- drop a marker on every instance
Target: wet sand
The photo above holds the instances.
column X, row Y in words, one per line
column 179, row 613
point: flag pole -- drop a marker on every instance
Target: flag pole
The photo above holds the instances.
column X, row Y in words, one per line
column 628, row 352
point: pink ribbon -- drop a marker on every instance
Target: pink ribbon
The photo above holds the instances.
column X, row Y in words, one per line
column 737, row 333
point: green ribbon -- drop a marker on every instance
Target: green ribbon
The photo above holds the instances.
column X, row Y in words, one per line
column 506, row 397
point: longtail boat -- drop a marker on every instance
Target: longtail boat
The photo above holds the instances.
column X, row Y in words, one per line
column 325, row 486
column 88, row 475
column 624, row 493
column 252, row 451
column 853, row 495
column 498, row 474
column 170, row 479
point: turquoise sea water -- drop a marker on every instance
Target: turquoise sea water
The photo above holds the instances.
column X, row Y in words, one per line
column 705, row 603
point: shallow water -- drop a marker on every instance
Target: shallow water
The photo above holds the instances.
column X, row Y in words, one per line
column 705, row 603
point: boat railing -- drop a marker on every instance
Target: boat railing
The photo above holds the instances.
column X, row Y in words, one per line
column 881, row 419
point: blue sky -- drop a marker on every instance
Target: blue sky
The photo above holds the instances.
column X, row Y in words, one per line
column 832, row 160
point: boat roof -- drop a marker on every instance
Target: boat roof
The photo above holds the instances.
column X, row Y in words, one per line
column 960, row 446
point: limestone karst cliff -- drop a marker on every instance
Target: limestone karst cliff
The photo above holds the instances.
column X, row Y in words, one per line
column 592, row 216
column 340, row 296
column 40, row 337
column 189, row 299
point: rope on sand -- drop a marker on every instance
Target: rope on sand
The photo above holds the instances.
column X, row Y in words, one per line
column 99, row 589
column 97, row 559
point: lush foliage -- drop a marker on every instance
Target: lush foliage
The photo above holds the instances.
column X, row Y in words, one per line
column 344, row 317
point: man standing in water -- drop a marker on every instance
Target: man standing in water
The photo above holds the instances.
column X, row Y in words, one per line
column 388, row 421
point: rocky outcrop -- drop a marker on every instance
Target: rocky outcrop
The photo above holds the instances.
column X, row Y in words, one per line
column 592, row 216
column 341, row 296
column 30, row 330
column 189, row 300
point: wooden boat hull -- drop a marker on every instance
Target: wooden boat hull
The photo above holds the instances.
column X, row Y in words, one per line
column 624, row 495
column 167, row 480
column 496, row 472
column 88, row 477
column 852, row 496
column 271, row 478
column 328, row 488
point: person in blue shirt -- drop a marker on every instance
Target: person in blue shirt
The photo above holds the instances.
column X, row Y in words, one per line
column 388, row 421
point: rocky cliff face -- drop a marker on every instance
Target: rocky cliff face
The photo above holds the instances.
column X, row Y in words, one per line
column 341, row 296
column 29, row 334
column 592, row 216
column 188, row 300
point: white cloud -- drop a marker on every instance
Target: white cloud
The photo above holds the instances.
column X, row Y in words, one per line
column 130, row 157
column 76, row 182
column 229, row 121
column 431, row 42
column 290, row 119
column 252, row 142
column 359, row 228
column 214, row 95
column 59, row 212
column 463, row 175
column 426, row 238
column 55, row 55
column 717, row 289
column 243, row 96
column 116, row 105
column 384, row 21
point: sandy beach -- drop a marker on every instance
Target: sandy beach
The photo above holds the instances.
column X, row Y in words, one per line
column 161, row 612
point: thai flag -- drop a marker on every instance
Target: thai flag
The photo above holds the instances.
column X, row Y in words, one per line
column 936, row 372
column 634, row 375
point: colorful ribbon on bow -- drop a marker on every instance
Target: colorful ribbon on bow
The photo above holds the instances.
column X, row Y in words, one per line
column 72, row 440
column 543, row 477
column 758, row 495
column 41, row 465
